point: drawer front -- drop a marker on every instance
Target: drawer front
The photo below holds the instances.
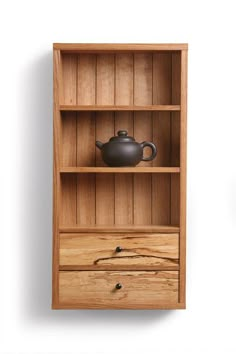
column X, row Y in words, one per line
column 124, row 251
column 118, row 289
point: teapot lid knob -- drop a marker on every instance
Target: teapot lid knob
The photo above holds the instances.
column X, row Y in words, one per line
column 122, row 133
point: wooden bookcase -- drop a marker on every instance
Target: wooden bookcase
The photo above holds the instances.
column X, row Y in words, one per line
column 99, row 89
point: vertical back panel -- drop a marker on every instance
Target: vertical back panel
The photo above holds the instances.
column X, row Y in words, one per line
column 124, row 79
column 162, row 66
column 142, row 132
column 68, row 199
column 124, row 120
column 69, row 67
column 176, row 77
column 85, row 157
column 105, row 79
column 104, row 182
column 175, row 139
column 175, row 199
column 68, row 139
column 86, row 69
column 124, row 182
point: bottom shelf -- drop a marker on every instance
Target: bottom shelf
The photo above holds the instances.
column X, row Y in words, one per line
column 131, row 199
column 119, row 228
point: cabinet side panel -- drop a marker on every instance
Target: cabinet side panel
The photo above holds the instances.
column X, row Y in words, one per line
column 124, row 70
column 105, row 79
column 57, row 83
column 104, row 182
column 86, row 78
column 183, row 143
column 69, row 67
column 143, row 132
column 124, row 182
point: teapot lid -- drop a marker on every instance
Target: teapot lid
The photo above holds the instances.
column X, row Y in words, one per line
column 122, row 136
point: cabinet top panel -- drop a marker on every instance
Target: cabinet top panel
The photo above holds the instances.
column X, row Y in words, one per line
column 106, row 47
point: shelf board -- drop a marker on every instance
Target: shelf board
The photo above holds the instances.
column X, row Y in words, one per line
column 121, row 47
column 120, row 170
column 120, row 228
column 119, row 108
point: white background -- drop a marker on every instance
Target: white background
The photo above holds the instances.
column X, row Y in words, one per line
column 27, row 31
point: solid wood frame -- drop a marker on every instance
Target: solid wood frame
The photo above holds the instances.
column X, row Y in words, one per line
column 58, row 169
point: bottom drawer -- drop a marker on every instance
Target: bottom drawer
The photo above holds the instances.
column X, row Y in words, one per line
column 118, row 289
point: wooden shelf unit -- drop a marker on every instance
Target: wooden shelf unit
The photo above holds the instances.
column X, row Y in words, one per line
column 98, row 90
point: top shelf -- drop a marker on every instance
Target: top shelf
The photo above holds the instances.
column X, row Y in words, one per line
column 104, row 47
column 119, row 108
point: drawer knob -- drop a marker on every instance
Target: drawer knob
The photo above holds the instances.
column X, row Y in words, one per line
column 118, row 286
column 118, row 249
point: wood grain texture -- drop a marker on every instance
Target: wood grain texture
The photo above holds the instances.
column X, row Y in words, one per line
column 86, row 79
column 57, row 83
column 142, row 79
column 142, row 132
column 104, row 182
column 99, row 89
column 85, row 203
column 162, row 86
column 162, row 77
column 161, row 208
column 111, row 107
column 124, row 181
column 68, row 209
column 183, row 163
column 120, row 228
column 124, row 71
column 105, row 79
column 69, row 72
column 111, row 47
column 68, row 139
column 175, row 200
column 143, row 251
column 96, row 289
column 120, row 170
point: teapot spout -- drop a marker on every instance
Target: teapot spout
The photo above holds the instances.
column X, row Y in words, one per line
column 99, row 144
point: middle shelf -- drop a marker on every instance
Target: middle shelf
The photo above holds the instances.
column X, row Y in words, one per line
column 120, row 170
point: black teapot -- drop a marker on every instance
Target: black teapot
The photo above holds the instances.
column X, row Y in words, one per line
column 123, row 150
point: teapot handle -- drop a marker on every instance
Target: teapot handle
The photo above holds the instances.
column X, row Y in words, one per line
column 154, row 150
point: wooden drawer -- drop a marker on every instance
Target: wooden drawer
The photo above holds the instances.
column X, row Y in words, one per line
column 138, row 251
column 139, row 289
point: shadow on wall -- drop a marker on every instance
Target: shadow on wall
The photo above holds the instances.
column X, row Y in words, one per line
column 36, row 222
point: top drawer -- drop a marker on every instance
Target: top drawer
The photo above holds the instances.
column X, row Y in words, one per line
column 119, row 251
